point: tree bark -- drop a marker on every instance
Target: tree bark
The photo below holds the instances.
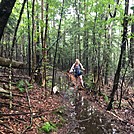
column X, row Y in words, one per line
column 132, row 50
column 15, row 64
column 55, row 55
column 132, row 46
column 45, row 46
column 6, row 7
column 85, row 39
column 32, row 37
column 29, row 40
column 123, row 46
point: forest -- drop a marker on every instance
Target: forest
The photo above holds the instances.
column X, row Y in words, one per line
column 39, row 42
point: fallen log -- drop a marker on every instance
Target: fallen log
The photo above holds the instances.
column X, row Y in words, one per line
column 5, row 81
column 14, row 114
column 3, row 91
column 15, row 76
column 4, row 62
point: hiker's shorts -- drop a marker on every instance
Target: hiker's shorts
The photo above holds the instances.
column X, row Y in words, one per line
column 76, row 74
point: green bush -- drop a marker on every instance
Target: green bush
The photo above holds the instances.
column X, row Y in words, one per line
column 106, row 98
column 48, row 127
column 23, row 84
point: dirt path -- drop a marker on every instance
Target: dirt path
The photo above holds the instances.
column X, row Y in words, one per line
column 57, row 109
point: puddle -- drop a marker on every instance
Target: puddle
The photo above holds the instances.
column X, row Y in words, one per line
column 86, row 119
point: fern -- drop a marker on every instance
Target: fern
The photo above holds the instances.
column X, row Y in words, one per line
column 48, row 127
column 21, row 86
column 106, row 98
column 24, row 84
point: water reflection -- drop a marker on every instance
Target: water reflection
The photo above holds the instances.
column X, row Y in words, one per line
column 89, row 120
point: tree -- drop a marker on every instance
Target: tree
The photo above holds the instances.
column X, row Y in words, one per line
column 123, row 47
column 132, row 48
column 44, row 47
column 6, row 7
column 56, row 48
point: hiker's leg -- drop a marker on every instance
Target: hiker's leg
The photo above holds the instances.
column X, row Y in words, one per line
column 81, row 80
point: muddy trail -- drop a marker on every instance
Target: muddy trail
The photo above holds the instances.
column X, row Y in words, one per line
column 73, row 110
column 85, row 118
column 88, row 113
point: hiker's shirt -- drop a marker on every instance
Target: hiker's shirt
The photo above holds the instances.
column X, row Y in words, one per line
column 73, row 67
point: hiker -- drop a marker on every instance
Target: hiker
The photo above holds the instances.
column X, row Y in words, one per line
column 77, row 68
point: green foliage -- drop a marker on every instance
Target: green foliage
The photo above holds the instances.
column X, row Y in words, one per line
column 93, row 32
column 106, row 98
column 89, row 81
column 22, row 85
column 48, row 127
column 29, row 86
column 132, row 7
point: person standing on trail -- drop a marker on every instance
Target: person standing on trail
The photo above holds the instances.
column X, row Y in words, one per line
column 77, row 68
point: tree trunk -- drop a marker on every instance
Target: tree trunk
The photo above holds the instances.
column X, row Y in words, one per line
column 132, row 51
column 55, row 55
column 85, row 39
column 94, row 66
column 78, row 44
column 132, row 47
column 29, row 42
column 6, row 7
column 45, row 46
column 107, row 54
column 42, row 41
column 38, row 40
column 123, row 47
column 123, row 79
column 32, row 38
column 12, row 50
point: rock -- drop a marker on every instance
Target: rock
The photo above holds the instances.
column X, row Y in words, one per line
column 55, row 89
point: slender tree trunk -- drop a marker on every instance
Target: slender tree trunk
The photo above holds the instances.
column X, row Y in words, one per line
column 1, row 51
column 55, row 55
column 99, row 68
column 85, row 39
column 123, row 47
column 132, row 47
column 62, row 58
column 78, row 44
column 94, row 66
column 29, row 42
column 38, row 40
column 45, row 46
column 32, row 39
column 42, row 40
column 132, row 51
column 12, row 50
column 75, row 47
column 123, row 79
column 42, row 27
column 23, row 48
column 16, row 29
column 105, row 60
column 107, row 54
